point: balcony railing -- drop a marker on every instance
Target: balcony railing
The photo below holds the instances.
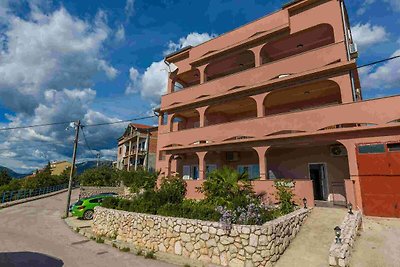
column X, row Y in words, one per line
column 369, row 112
column 294, row 64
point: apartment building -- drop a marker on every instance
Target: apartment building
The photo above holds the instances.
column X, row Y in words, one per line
column 57, row 167
column 280, row 97
column 137, row 148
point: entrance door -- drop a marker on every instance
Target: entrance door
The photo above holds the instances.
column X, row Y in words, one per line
column 318, row 176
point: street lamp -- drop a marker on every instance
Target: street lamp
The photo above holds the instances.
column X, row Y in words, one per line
column 350, row 207
column 305, row 202
column 338, row 232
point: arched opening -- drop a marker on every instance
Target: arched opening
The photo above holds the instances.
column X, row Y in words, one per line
column 323, row 162
column 299, row 42
column 285, row 132
column 185, row 120
column 302, row 97
column 186, row 79
column 187, row 166
column 235, row 110
column 229, row 65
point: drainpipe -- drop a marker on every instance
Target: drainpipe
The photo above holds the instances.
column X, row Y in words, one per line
column 346, row 39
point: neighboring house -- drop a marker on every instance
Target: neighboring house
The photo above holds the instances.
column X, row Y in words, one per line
column 137, row 148
column 280, row 97
column 57, row 167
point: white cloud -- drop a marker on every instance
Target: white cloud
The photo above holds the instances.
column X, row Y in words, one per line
column 386, row 76
column 394, row 4
column 366, row 35
column 152, row 84
column 47, row 65
column 54, row 51
column 364, row 6
column 120, row 34
column 129, row 9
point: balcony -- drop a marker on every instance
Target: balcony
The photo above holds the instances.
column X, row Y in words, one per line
column 365, row 113
column 293, row 64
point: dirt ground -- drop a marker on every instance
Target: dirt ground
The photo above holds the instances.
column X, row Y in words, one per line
column 378, row 244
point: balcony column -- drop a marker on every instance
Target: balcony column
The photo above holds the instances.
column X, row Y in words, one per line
column 261, row 151
column 260, row 104
column 202, row 164
column 171, row 83
column 202, row 114
column 202, row 70
column 168, row 159
column 170, row 122
column 353, row 169
column 257, row 54
column 129, row 155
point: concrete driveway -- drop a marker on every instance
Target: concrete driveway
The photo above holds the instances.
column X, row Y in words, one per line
column 33, row 234
column 378, row 244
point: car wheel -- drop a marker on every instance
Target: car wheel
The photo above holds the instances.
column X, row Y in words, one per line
column 88, row 215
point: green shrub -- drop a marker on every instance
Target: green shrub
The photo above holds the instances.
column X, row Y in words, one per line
column 125, row 249
column 285, row 195
column 110, row 202
column 102, row 176
column 172, row 190
column 150, row 255
column 139, row 252
column 138, row 180
column 99, row 240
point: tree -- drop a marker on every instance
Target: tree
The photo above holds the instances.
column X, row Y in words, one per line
column 5, row 178
column 102, row 176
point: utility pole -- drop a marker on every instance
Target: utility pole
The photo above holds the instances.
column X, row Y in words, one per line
column 78, row 126
column 98, row 159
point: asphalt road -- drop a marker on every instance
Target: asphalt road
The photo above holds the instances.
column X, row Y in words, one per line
column 33, row 234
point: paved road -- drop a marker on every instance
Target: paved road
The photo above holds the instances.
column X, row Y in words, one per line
column 311, row 246
column 33, row 234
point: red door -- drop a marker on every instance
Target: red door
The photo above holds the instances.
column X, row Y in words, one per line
column 379, row 170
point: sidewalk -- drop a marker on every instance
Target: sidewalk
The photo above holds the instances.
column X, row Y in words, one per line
column 311, row 246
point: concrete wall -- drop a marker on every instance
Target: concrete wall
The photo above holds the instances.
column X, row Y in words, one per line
column 243, row 245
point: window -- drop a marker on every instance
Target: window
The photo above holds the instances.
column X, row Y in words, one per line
column 190, row 172
column 161, row 155
column 252, row 170
column 394, row 147
column 96, row 200
column 210, row 168
column 371, row 149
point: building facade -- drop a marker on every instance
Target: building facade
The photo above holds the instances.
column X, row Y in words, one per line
column 281, row 97
column 137, row 148
column 57, row 167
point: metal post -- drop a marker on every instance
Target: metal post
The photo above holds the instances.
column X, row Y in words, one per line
column 77, row 125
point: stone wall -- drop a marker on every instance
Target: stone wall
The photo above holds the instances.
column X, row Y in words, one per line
column 243, row 245
column 88, row 191
column 339, row 253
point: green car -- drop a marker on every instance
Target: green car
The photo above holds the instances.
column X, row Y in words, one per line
column 84, row 208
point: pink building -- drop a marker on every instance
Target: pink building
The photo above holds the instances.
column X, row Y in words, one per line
column 280, row 97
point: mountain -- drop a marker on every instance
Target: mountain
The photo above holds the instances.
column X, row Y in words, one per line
column 83, row 166
column 13, row 174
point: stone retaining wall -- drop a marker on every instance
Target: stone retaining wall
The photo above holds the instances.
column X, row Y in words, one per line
column 339, row 254
column 88, row 191
column 243, row 245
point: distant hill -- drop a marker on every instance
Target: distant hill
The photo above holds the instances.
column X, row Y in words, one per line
column 13, row 174
column 83, row 166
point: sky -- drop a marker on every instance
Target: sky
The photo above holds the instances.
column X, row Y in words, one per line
column 102, row 61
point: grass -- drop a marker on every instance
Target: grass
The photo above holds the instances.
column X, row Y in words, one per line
column 114, row 245
column 125, row 249
column 139, row 252
column 99, row 240
column 150, row 255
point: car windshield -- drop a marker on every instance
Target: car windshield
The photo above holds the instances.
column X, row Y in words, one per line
column 80, row 202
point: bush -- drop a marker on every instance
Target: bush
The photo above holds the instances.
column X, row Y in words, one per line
column 5, row 178
column 285, row 195
column 102, row 176
column 172, row 190
column 190, row 209
column 110, row 202
column 138, row 180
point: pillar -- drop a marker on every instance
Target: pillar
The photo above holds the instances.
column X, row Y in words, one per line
column 353, row 169
column 168, row 159
column 257, row 54
column 261, row 151
column 202, row 70
column 137, row 150
column 202, row 164
column 202, row 113
column 260, row 104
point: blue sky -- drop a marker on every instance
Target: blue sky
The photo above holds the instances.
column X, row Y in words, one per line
column 100, row 61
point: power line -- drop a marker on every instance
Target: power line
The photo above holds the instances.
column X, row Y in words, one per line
column 35, row 125
column 120, row 121
column 86, row 142
column 377, row 62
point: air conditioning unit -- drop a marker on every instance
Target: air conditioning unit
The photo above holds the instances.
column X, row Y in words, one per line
column 338, row 151
column 353, row 50
column 232, row 156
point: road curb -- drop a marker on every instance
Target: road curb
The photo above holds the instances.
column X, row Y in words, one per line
column 29, row 199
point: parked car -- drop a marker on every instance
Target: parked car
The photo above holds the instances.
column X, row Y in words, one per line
column 84, row 208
